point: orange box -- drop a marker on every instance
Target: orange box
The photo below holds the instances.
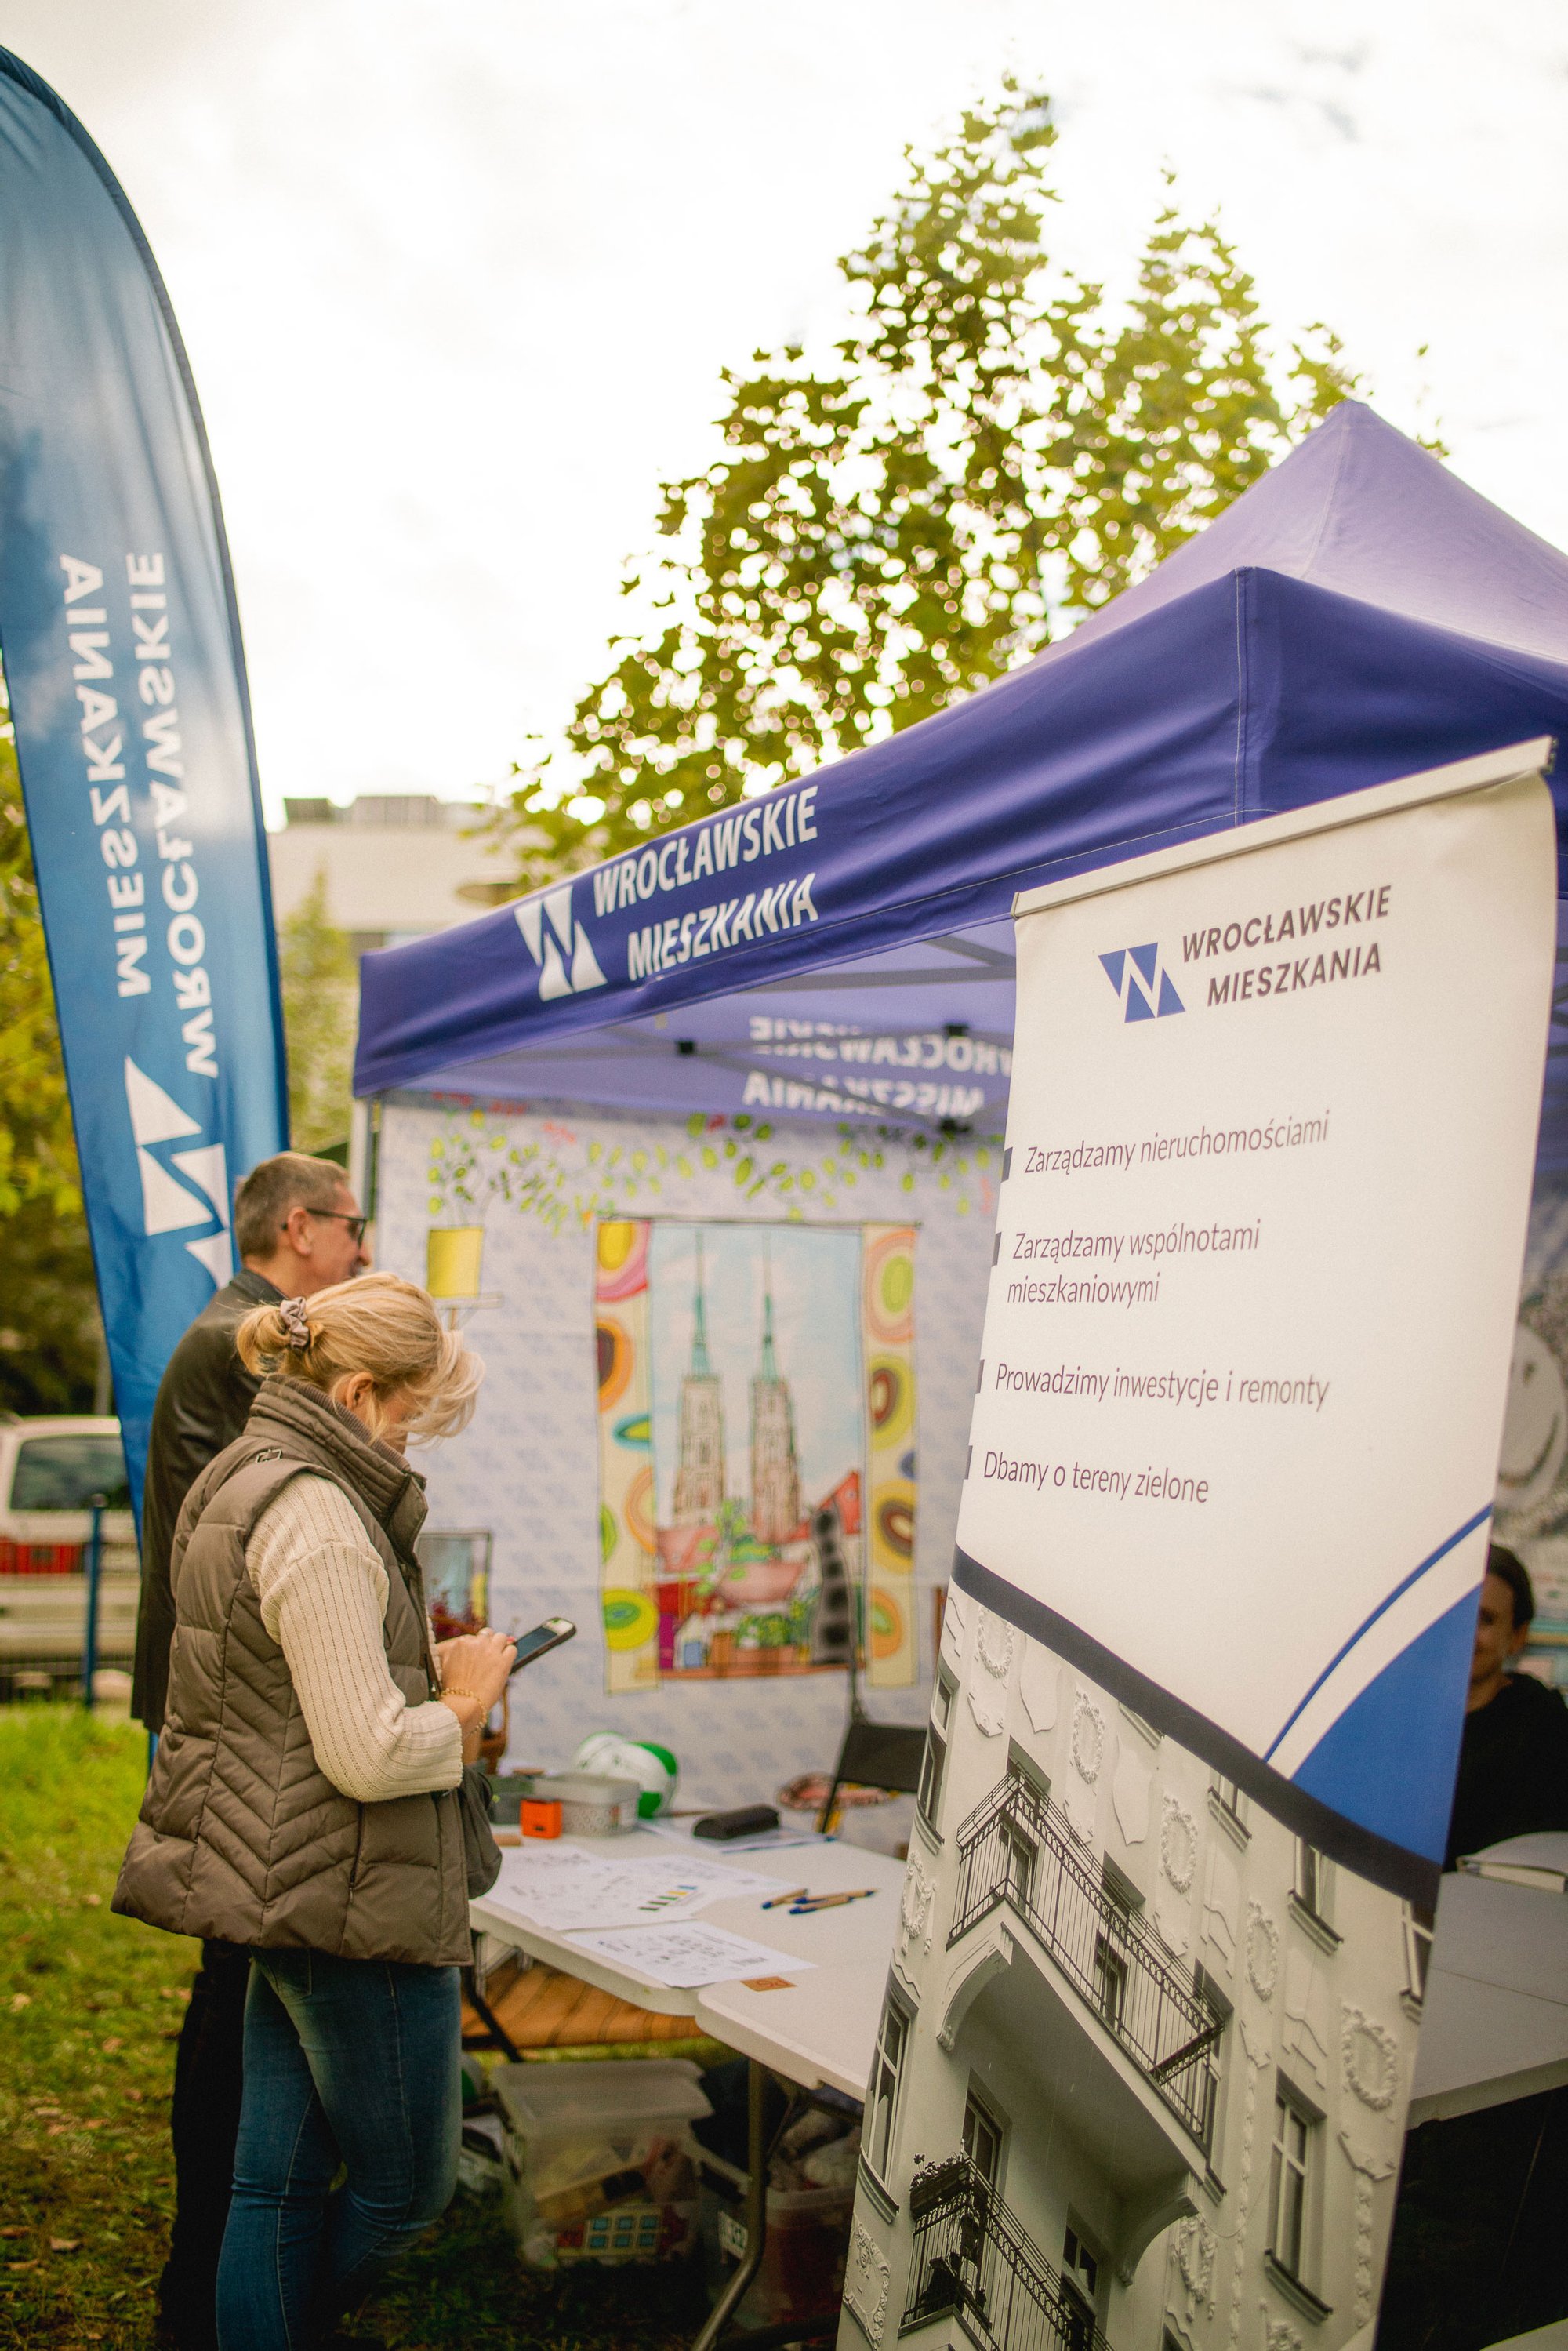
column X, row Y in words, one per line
column 540, row 1816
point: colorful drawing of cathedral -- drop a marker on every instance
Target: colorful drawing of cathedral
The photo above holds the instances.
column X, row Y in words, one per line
column 758, row 1584
column 774, row 1469
column 700, row 1480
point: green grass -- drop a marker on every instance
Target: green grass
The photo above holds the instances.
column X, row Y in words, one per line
column 90, row 2010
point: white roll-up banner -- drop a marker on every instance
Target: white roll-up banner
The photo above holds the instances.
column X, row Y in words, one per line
column 1269, row 1146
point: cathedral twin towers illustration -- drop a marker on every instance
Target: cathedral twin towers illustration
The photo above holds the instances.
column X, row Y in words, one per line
column 701, row 1476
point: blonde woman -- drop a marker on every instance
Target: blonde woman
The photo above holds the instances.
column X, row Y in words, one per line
column 305, row 1800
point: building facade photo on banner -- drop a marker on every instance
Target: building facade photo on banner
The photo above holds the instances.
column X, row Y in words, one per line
column 1144, row 2061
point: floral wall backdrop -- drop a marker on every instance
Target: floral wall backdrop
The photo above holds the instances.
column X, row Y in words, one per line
column 527, row 1219
column 1532, row 1472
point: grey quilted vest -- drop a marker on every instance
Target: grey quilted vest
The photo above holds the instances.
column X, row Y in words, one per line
column 241, row 1835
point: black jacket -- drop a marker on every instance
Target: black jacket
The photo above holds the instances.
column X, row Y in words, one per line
column 1513, row 1768
column 203, row 1401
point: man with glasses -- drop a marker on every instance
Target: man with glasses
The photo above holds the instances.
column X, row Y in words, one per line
column 298, row 1229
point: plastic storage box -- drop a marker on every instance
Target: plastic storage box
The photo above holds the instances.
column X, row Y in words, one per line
column 598, row 2159
column 592, row 1803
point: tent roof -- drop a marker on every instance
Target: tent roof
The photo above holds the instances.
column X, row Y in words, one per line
column 840, row 946
column 1362, row 510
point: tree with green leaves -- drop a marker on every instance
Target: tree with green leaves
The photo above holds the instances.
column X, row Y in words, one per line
column 37, row 1142
column 316, row 968
column 989, row 452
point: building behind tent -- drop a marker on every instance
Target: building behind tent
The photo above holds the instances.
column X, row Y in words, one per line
column 395, row 865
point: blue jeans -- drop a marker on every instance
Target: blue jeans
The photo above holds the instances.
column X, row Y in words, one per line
column 351, row 2063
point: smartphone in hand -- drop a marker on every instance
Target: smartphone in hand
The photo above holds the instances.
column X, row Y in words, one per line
column 545, row 1637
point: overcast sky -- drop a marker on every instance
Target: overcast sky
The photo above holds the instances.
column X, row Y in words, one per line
column 457, row 276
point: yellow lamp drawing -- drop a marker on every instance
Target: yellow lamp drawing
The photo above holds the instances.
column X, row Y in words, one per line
column 453, row 1259
column 453, row 1254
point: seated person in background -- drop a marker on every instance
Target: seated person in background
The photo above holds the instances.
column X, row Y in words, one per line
column 1514, row 1757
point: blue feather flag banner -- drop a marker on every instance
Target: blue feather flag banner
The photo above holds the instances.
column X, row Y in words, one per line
column 120, row 638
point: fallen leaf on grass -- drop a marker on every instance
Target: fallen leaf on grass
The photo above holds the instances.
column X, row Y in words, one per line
column 56, row 2128
column 64, row 2244
column 20, row 2000
column 93, row 1901
column 21, row 2265
column 12, row 2232
column 114, row 2042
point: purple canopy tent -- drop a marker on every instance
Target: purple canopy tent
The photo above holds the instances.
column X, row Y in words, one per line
column 840, row 949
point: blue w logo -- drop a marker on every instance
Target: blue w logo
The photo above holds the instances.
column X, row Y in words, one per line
column 1143, row 982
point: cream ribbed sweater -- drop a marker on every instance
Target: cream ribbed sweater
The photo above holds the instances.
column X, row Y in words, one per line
column 323, row 1594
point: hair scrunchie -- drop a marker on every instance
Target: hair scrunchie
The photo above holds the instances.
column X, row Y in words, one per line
column 296, row 1323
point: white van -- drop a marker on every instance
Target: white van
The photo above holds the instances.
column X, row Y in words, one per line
column 49, row 1471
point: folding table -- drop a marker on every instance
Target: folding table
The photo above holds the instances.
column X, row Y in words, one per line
column 818, row 2031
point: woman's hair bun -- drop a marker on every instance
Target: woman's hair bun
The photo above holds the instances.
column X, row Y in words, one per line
column 380, row 1324
column 262, row 1339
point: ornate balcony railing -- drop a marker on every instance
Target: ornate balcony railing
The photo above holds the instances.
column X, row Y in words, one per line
column 1017, row 1848
column 972, row 2256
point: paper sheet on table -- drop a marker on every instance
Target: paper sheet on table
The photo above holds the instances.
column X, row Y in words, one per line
column 689, row 1954
column 565, row 1891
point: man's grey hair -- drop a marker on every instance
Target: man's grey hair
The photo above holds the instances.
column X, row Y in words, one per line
column 262, row 1203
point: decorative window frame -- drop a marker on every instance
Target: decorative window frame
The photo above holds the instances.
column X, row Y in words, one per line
column 938, row 1741
column 1315, row 1915
column 1232, row 1818
column 1417, row 1930
column 897, row 1998
column 978, row 2095
column 1296, row 2285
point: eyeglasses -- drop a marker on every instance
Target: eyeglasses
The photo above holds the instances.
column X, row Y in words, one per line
column 356, row 1224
